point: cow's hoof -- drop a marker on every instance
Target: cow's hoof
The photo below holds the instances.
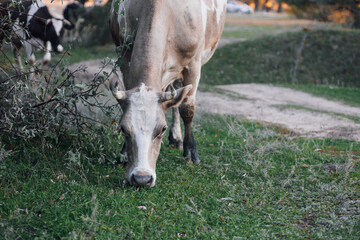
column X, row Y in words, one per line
column 195, row 161
column 178, row 144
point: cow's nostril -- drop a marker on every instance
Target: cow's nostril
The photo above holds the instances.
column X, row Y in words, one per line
column 132, row 182
column 142, row 180
column 150, row 180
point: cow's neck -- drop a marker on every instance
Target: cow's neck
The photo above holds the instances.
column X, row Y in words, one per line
column 149, row 49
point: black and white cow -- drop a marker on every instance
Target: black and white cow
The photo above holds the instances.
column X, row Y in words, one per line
column 31, row 25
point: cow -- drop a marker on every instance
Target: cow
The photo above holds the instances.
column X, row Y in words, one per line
column 30, row 24
column 162, row 43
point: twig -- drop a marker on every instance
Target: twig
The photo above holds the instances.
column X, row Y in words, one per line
column 298, row 58
column 12, row 65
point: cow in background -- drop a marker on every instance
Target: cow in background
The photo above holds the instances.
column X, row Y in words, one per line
column 30, row 24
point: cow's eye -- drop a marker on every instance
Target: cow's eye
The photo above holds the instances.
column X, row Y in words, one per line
column 163, row 130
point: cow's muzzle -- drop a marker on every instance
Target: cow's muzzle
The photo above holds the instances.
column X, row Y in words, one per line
column 142, row 180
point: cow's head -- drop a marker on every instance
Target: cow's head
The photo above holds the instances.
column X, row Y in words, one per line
column 54, row 30
column 47, row 26
column 143, row 125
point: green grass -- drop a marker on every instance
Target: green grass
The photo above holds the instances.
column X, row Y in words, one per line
column 73, row 55
column 253, row 182
column 329, row 57
column 298, row 107
column 251, row 32
column 77, row 54
column 350, row 96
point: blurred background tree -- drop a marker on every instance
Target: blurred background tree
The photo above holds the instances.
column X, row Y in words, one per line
column 340, row 11
column 326, row 8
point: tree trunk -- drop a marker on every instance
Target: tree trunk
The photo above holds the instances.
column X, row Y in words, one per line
column 256, row 5
column 267, row 9
column 356, row 12
column 280, row 9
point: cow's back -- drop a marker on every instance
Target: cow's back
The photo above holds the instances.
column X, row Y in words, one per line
column 165, row 37
column 186, row 23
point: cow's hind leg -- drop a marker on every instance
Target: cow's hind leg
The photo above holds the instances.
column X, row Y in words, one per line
column 175, row 136
column 187, row 111
column 30, row 58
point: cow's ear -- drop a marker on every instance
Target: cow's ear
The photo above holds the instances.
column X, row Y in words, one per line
column 181, row 93
column 68, row 25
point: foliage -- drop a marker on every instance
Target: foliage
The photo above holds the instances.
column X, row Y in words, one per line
column 53, row 103
column 329, row 57
column 321, row 9
column 94, row 30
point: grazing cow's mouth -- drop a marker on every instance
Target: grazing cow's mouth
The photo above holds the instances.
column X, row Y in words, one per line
column 141, row 178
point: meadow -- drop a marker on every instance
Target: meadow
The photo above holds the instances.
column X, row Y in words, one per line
column 254, row 180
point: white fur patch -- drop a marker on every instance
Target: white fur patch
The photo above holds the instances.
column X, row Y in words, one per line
column 218, row 8
column 206, row 53
column 144, row 107
column 204, row 14
column 58, row 25
column 18, row 29
column 60, row 48
column 47, row 57
column 48, row 46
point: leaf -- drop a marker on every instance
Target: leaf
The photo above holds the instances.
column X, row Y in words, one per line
column 62, row 197
column 116, row 6
column 80, row 86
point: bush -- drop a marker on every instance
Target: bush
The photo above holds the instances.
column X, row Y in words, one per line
column 55, row 105
column 94, row 28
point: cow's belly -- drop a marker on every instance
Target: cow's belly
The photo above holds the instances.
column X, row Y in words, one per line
column 36, row 43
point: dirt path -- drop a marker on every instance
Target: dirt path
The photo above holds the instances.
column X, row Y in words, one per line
column 299, row 112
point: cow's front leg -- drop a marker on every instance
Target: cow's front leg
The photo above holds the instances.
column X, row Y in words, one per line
column 187, row 111
column 30, row 58
column 47, row 56
column 17, row 56
column 175, row 136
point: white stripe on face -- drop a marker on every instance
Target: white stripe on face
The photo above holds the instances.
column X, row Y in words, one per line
column 58, row 25
column 144, row 108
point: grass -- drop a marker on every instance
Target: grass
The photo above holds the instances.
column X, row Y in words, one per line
column 74, row 54
column 298, row 107
column 329, row 57
column 253, row 182
column 77, row 54
column 350, row 96
column 257, row 31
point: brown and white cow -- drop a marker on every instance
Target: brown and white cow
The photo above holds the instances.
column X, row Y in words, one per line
column 167, row 41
